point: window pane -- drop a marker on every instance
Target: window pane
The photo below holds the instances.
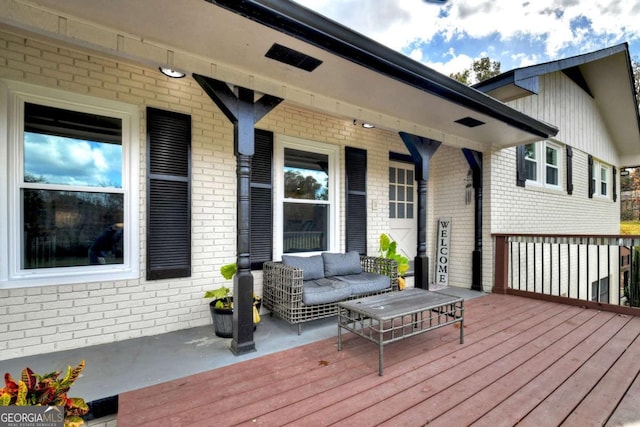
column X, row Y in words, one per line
column 603, row 188
column 305, row 227
column 400, row 210
column 392, row 175
column 410, row 193
column 552, row 156
column 392, row 192
column 530, row 170
column 400, row 194
column 65, row 228
column 552, row 175
column 530, row 151
column 603, row 174
column 53, row 159
column 410, row 210
column 305, row 175
column 71, row 148
column 410, row 177
column 392, row 210
column 401, row 176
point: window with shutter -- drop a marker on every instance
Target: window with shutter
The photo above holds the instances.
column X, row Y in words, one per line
column 168, row 194
column 356, row 199
column 539, row 164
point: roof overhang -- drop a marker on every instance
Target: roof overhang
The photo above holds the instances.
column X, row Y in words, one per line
column 606, row 75
column 227, row 40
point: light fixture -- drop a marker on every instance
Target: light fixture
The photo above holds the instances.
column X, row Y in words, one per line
column 364, row 124
column 170, row 72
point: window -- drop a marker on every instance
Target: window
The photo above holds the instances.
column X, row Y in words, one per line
column 401, row 191
column 542, row 164
column 600, row 177
column 306, row 185
column 600, row 290
column 69, row 194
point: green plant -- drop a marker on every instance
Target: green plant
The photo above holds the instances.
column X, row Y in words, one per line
column 222, row 295
column 388, row 249
column 46, row 390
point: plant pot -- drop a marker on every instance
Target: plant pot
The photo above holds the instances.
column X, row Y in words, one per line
column 222, row 320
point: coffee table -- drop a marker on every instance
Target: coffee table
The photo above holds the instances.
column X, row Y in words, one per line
column 394, row 316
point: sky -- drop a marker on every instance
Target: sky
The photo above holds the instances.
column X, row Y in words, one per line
column 66, row 161
column 449, row 37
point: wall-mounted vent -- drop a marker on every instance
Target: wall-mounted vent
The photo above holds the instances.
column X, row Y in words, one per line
column 469, row 122
column 293, row 57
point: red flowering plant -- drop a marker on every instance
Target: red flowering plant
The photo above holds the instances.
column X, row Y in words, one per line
column 46, row 390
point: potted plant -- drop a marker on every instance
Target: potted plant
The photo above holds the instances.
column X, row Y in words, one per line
column 222, row 305
column 388, row 248
column 46, row 390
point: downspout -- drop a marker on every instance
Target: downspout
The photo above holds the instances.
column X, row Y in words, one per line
column 474, row 158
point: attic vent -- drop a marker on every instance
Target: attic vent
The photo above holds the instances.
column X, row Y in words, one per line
column 293, row 57
column 469, row 122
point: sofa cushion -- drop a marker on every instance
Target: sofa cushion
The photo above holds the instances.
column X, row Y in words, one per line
column 365, row 282
column 322, row 291
column 341, row 264
column 312, row 266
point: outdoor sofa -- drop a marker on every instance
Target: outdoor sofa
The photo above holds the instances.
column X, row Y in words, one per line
column 300, row 289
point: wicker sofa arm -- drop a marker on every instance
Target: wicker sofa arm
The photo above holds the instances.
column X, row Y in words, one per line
column 385, row 266
column 282, row 284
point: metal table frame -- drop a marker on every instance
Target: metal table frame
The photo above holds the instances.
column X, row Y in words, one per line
column 391, row 317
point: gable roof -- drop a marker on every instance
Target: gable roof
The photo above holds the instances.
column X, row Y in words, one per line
column 228, row 39
column 606, row 75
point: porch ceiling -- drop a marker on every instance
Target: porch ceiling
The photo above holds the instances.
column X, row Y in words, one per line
column 197, row 36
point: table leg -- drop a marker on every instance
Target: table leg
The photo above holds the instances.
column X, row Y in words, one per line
column 380, row 357
column 339, row 331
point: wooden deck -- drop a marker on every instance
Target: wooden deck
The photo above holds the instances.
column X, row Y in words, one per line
column 524, row 361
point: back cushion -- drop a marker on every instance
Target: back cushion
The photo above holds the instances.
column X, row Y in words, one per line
column 341, row 264
column 312, row 266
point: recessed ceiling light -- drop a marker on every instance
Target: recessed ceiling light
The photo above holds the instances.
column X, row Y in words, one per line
column 367, row 125
column 170, row 72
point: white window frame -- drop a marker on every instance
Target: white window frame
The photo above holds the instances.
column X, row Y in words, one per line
column 333, row 154
column 13, row 95
column 598, row 168
column 540, row 161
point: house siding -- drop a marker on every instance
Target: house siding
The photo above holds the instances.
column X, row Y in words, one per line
column 574, row 112
column 44, row 319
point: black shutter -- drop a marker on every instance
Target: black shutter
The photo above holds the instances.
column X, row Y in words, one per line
column 356, row 199
column 521, row 176
column 569, row 170
column 261, row 200
column 168, row 194
column 615, row 184
column 591, row 183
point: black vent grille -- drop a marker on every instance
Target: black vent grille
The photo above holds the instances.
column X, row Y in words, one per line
column 293, row 57
column 469, row 122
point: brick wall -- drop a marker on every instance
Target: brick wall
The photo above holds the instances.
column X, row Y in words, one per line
column 51, row 318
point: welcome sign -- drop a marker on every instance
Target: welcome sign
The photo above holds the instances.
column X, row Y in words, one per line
column 442, row 253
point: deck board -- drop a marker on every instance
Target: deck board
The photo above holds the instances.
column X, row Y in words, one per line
column 523, row 361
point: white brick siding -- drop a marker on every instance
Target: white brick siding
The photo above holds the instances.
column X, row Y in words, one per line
column 44, row 319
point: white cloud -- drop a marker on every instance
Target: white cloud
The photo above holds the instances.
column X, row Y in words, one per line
column 554, row 26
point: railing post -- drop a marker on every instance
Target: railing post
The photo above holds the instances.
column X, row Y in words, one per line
column 501, row 265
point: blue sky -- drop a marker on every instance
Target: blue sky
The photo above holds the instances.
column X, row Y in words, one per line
column 517, row 33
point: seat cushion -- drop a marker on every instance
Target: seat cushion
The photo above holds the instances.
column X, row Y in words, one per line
column 341, row 264
column 322, row 291
column 365, row 282
column 311, row 266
